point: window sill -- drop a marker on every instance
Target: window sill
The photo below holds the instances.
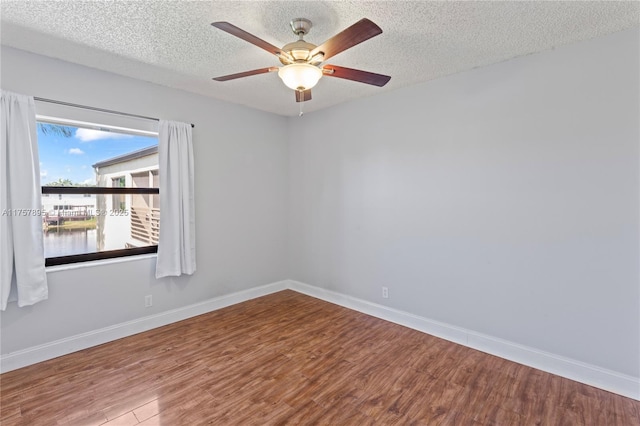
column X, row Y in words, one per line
column 91, row 263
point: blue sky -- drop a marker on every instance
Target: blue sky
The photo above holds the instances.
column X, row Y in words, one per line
column 72, row 157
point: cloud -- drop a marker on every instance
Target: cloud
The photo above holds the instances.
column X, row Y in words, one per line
column 87, row 135
column 76, row 151
column 43, row 174
column 90, row 181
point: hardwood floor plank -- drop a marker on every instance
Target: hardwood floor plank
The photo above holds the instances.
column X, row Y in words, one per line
column 128, row 419
column 287, row 358
column 10, row 406
column 14, row 420
column 147, row 410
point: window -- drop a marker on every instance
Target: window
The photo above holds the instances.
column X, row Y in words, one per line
column 107, row 191
column 118, row 201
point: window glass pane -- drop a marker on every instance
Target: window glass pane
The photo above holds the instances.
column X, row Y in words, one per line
column 69, row 225
column 74, row 156
column 94, row 226
column 89, row 223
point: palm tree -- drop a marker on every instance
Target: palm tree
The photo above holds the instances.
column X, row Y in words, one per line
column 55, row 129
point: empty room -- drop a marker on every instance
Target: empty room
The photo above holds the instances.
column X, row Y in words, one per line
column 320, row 212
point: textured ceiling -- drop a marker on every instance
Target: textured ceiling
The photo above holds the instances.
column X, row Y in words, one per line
column 172, row 42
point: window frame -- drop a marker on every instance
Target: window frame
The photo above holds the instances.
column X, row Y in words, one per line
column 120, row 125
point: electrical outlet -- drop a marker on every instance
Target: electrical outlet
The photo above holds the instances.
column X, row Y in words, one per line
column 385, row 292
column 148, row 301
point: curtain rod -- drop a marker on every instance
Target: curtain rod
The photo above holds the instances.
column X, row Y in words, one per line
column 110, row 111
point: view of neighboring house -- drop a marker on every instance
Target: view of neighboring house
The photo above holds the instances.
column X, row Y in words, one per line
column 59, row 208
column 128, row 220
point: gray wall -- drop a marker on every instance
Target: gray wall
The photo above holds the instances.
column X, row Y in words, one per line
column 503, row 200
column 241, row 188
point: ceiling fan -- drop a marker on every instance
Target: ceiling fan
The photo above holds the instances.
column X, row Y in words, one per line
column 301, row 60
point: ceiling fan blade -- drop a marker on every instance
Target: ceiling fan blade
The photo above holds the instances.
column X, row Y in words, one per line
column 356, row 75
column 246, row 74
column 355, row 34
column 233, row 30
column 303, row 96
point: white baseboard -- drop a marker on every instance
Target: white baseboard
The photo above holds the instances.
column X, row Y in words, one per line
column 592, row 375
column 565, row 367
column 35, row 354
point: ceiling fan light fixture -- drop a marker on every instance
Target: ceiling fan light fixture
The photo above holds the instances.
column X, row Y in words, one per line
column 300, row 76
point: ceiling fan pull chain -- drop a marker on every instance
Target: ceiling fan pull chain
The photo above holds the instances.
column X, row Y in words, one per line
column 300, row 114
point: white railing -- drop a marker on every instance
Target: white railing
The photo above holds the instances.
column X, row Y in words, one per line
column 145, row 224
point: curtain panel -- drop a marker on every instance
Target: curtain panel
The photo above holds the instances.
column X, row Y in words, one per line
column 22, row 272
column 177, row 239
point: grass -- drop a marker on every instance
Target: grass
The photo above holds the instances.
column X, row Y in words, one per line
column 75, row 224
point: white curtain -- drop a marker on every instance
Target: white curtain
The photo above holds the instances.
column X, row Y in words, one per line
column 22, row 273
column 177, row 241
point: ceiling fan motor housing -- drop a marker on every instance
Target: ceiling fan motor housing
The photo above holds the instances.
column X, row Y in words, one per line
column 299, row 50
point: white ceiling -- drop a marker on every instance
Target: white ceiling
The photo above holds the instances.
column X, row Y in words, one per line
column 172, row 42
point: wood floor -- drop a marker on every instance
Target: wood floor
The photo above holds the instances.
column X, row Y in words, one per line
column 287, row 358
